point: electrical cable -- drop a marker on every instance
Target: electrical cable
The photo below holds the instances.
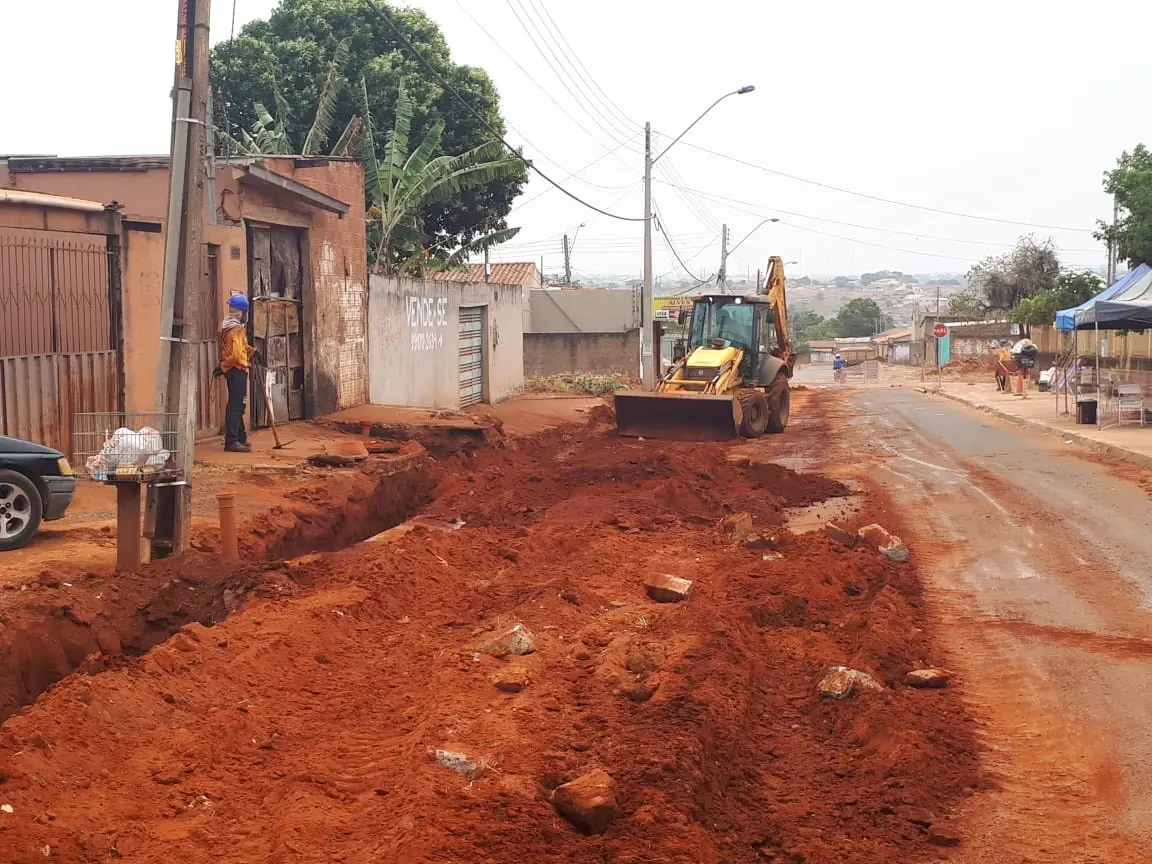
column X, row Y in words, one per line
column 613, row 134
column 483, row 122
column 916, row 234
column 570, row 52
column 882, row 199
column 580, row 125
column 667, row 242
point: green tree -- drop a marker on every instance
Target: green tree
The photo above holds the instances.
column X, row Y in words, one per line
column 290, row 54
column 860, row 317
column 1131, row 182
column 968, row 304
column 405, row 184
column 1002, row 281
column 1071, row 289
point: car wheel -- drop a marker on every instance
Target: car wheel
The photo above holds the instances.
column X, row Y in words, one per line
column 20, row 510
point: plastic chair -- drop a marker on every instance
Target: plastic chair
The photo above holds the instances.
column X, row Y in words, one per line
column 1129, row 400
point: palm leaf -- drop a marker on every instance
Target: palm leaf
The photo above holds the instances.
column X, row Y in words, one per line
column 396, row 150
column 368, row 150
column 326, row 102
column 349, row 140
column 481, row 244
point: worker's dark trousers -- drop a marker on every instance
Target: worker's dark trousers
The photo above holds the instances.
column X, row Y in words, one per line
column 234, row 431
column 1001, row 382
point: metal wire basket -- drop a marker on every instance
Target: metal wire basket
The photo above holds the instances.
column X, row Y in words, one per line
column 128, row 446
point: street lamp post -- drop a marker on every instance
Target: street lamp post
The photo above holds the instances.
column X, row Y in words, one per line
column 649, row 359
column 722, row 277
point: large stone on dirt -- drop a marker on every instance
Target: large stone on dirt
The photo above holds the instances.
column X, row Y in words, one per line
column 516, row 640
column 888, row 545
column 737, row 526
column 840, row 682
column 840, row 535
column 510, row 679
column 943, row 835
column 928, row 678
column 588, row 802
column 456, row 761
column 667, row 589
column 916, row 815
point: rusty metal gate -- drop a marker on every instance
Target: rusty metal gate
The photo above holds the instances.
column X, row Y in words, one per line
column 276, row 276
column 471, row 357
column 211, row 394
column 58, row 333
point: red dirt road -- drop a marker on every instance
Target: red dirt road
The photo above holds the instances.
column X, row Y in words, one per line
column 299, row 728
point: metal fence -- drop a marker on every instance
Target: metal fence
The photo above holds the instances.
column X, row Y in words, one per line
column 54, row 296
column 128, row 446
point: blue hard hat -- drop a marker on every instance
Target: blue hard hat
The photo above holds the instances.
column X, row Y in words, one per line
column 238, row 301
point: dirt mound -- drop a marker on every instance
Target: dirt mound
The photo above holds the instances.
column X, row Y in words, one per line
column 306, row 726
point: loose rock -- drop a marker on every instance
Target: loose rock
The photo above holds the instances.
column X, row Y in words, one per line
column 516, row 640
column 916, row 815
column 668, row 589
column 835, row 532
column 928, row 678
column 511, row 679
column 841, row 682
column 458, row 762
column 897, row 551
column 755, row 541
column 943, row 835
column 875, row 535
column 588, row 802
column 737, row 526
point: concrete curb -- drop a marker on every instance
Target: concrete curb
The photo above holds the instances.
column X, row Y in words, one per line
column 1077, row 438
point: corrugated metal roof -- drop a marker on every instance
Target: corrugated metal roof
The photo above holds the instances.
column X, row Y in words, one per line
column 524, row 273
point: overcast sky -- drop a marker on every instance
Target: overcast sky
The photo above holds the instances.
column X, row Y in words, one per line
column 1005, row 110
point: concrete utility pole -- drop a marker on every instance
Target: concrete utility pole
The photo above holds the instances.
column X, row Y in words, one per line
column 647, row 373
column 649, row 359
column 722, row 276
column 170, row 505
column 567, row 262
column 1112, row 257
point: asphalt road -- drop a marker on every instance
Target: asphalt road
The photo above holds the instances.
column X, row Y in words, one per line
column 1038, row 567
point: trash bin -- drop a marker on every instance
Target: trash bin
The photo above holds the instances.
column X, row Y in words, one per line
column 1086, row 412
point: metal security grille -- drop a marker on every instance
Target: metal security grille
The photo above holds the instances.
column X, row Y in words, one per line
column 471, row 362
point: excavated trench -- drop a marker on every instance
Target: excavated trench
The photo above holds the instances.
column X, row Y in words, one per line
column 58, row 624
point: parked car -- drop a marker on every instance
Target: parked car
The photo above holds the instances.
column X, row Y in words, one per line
column 36, row 484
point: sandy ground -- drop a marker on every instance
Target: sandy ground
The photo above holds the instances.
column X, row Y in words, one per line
column 291, row 709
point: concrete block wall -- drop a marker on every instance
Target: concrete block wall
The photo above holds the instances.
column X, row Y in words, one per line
column 414, row 350
column 593, row 353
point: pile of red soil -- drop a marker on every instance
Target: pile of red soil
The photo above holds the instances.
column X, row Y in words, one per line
column 303, row 728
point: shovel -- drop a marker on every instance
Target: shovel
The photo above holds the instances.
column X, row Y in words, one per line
column 279, row 445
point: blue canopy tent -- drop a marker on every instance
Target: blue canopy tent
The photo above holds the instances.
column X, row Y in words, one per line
column 1127, row 309
column 1066, row 318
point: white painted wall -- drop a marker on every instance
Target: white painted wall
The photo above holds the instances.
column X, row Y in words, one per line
column 413, row 340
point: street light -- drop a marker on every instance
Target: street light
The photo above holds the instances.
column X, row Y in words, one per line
column 722, row 276
column 648, row 358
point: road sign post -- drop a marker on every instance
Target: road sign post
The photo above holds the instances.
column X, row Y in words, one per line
column 939, row 331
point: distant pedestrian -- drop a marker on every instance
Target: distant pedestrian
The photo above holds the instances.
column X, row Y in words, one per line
column 235, row 359
column 839, row 364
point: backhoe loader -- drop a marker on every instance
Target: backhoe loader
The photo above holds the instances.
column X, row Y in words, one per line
column 733, row 380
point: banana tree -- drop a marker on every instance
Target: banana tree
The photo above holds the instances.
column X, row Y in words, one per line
column 401, row 186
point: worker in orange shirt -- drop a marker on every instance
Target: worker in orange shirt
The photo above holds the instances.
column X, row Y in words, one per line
column 236, row 357
column 1003, row 359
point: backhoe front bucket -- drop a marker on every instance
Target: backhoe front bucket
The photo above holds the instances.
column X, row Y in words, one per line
column 676, row 416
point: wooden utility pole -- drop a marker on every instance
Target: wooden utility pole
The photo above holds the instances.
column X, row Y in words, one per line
column 567, row 262
column 170, row 505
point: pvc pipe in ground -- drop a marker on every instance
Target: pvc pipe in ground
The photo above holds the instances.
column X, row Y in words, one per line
column 226, row 505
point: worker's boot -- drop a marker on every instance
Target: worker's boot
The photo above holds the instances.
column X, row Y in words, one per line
column 237, row 448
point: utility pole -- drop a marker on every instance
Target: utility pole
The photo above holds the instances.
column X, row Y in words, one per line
column 170, row 505
column 722, row 276
column 567, row 262
column 757, row 291
column 647, row 371
column 1112, row 257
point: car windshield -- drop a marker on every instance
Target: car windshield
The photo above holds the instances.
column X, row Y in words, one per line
column 733, row 322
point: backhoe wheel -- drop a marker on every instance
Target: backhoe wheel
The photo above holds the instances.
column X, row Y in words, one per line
column 779, row 404
column 754, row 411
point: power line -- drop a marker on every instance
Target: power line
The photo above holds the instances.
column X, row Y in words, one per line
column 701, row 212
column 579, row 124
column 483, row 122
column 916, row 234
column 613, row 108
column 562, row 77
column 881, row 199
column 672, row 248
